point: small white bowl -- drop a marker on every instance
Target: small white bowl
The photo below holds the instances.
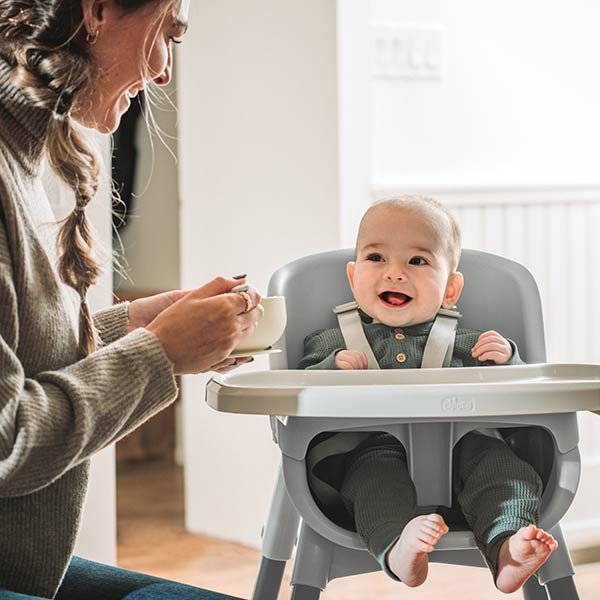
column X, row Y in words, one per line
column 269, row 329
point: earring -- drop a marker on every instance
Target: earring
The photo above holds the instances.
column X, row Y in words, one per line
column 92, row 37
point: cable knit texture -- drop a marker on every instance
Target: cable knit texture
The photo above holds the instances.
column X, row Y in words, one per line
column 55, row 410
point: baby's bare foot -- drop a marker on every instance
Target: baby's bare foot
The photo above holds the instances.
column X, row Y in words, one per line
column 407, row 558
column 521, row 555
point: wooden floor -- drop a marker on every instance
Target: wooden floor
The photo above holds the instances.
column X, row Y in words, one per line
column 151, row 539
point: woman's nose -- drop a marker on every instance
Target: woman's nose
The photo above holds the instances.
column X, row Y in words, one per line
column 165, row 77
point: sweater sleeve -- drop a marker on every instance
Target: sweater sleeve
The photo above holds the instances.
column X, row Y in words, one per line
column 515, row 359
column 112, row 323
column 54, row 420
column 320, row 349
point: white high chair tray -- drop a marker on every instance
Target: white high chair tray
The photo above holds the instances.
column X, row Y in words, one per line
column 410, row 393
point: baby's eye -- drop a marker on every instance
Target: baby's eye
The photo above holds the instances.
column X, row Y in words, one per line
column 417, row 260
column 375, row 257
column 175, row 40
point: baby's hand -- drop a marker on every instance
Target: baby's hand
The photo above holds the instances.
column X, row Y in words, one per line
column 349, row 360
column 492, row 346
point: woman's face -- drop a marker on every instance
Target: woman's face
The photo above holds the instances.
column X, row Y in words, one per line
column 132, row 50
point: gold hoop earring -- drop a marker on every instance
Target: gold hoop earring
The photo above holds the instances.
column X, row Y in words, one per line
column 92, row 37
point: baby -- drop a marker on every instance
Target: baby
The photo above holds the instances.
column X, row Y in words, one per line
column 407, row 252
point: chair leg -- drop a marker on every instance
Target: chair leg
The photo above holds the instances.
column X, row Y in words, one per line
column 312, row 564
column 562, row 589
column 532, row 590
column 268, row 580
column 279, row 536
column 305, row 592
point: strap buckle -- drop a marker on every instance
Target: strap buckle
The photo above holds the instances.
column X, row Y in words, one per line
column 344, row 308
column 450, row 312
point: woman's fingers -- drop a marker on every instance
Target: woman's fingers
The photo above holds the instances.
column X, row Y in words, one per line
column 216, row 287
column 231, row 363
column 247, row 300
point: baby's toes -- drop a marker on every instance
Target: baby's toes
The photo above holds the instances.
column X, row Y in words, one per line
column 531, row 532
column 546, row 538
column 433, row 530
column 429, row 538
column 423, row 546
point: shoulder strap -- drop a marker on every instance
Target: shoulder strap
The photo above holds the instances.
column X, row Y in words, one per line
column 440, row 343
column 353, row 332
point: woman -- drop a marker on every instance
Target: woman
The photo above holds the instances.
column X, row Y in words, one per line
column 65, row 395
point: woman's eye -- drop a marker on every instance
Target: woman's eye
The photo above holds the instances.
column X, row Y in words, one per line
column 417, row 260
column 175, row 40
column 375, row 257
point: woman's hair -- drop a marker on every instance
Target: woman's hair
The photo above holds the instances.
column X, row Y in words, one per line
column 44, row 42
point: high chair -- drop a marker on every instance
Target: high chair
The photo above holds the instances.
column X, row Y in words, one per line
column 428, row 410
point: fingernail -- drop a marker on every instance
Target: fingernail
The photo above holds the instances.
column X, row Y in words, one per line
column 240, row 276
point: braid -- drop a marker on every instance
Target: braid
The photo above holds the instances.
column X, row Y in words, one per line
column 77, row 165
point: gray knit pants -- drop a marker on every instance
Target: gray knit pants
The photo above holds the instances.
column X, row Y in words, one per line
column 497, row 492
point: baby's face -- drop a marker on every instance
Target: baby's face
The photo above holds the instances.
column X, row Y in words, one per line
column 402, row 274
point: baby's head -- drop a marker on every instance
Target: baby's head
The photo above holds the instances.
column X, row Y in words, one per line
column 407, row 252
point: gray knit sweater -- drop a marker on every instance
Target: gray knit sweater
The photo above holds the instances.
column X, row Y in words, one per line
column 55, row 410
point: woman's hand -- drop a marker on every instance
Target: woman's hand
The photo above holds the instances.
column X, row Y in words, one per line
column 200, row 329
column 143, row 311
column 492, row 346
column 350, row 360
column 231, row 363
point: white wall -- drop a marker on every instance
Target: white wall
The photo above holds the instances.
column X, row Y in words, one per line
column 516, row 103
column 258, row 184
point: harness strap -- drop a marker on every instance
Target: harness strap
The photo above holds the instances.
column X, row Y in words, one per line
column 354, row 334
column 335, row 445
column 440, row 342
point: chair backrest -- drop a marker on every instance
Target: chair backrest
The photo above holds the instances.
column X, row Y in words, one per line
column 499, row 294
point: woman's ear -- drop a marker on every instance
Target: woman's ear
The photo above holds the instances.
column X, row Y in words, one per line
column 350, row 273
column 94, row 14
column 454, row 288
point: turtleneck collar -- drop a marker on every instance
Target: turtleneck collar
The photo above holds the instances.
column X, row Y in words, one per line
column 23, row 127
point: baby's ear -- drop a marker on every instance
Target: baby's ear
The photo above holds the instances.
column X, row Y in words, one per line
column 350, row 273
column 454, row 288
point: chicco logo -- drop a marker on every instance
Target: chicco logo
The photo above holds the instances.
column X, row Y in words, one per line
column 458, row 405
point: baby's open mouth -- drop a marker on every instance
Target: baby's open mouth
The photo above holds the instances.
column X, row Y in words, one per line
column 394, row 298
